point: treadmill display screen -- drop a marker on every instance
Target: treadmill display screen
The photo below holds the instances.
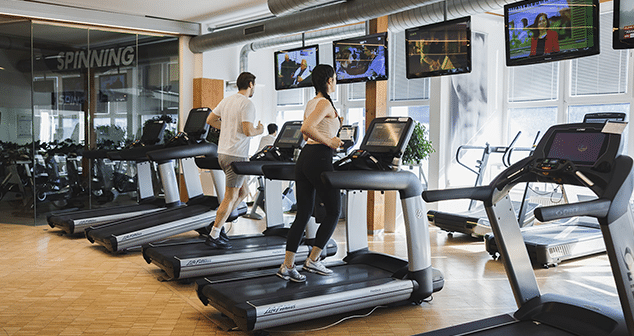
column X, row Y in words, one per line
column 346, row 133
column 291, row 135
column 578, row 147
column 153, row 131
column 196, row 122
column 385, row 135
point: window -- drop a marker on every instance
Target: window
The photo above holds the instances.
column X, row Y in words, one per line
column 600, row 74
column 402, row 88
column 536, row 82
column 530, row 121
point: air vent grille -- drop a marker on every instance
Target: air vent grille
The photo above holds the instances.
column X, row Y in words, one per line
column 254, row 30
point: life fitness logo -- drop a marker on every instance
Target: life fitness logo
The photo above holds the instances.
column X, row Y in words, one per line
column 628, row 258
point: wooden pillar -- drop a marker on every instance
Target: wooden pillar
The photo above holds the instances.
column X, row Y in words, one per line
column 376, row 106
column 208, row 92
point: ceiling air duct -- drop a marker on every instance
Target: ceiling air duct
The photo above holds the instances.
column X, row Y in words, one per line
column 435, row 12
column 279, row 7
column 328, row 16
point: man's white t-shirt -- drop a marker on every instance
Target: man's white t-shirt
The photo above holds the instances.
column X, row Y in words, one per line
column 233, row 111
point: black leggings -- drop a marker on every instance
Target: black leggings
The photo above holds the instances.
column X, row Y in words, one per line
column 313, row 160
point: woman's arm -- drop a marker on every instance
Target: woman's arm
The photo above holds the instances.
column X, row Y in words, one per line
column 309, row 126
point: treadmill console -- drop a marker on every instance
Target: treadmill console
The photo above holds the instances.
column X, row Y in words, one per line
column 196, row 126
column 195, row 129
column 382, row 147
column 577, row 154
column 153, row 132
column 349, row 134
column 289, row 139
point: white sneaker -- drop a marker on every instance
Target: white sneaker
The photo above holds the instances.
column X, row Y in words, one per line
column 290, row 274
column 316, row 267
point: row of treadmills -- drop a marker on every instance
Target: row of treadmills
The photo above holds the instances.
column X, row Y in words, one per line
column 241, row 282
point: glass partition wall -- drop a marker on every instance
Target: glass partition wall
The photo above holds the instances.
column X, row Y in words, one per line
column 70, row 92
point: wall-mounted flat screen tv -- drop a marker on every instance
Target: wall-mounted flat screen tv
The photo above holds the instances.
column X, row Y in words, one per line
column 111, row 88
column 623, row 24
column 439, row 49
column 540, row 31
column 293, row 67
column 361, row 59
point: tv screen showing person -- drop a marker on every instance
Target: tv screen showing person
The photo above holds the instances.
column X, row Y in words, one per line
column 550, row 30
column 361, row 59
column 293, row 67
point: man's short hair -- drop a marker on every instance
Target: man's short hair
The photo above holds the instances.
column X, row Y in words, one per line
column 272, row 128
column 244, row 80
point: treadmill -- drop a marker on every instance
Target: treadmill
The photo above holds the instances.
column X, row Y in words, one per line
column 552, row 243
column 198, row 212
column 474, row 221
column 363, row 279
column 191, row 257
column 581, row 154
column 77, row 221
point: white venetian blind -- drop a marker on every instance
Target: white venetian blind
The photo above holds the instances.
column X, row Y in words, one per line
column 604, row 73
column 535, row 82
column 402, row 88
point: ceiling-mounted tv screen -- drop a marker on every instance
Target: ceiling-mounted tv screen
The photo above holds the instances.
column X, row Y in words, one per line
column 623, row 24
column 361, row 59
column 540, row 31
column 293, row 67
column 439, row 49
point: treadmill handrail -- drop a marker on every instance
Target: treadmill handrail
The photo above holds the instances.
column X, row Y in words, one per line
column 480, row 193
column 283, row 171
column 179, row 152
column 595, row 208
column 407, row 183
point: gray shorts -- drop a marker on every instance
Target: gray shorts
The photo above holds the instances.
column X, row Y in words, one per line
column 232, row 180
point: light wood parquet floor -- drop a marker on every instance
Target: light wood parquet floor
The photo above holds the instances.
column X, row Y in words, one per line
column 52, row 284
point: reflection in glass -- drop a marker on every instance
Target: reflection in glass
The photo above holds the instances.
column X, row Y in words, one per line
column 91, row 89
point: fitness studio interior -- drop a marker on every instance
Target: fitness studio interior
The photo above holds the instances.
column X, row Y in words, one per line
column 470, row 128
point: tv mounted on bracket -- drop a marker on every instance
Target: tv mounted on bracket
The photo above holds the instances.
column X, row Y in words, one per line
column 438, row 49
column 540, row 31
column 361, row 59
column 293, row 67
column 623, row 24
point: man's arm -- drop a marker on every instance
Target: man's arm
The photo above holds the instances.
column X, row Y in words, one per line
column 213, row 120
column 249, row 130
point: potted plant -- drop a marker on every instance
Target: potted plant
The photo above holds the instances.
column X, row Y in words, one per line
column 418, row 147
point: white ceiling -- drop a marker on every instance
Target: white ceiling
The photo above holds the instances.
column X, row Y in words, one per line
column 208, row 12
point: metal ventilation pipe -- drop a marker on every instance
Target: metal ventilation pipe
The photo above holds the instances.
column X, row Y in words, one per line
column 435, row 12
column 279, row 7
column 323, row 17
column 308, row 38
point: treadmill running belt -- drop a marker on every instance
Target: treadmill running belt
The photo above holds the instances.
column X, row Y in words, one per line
column 271, row 289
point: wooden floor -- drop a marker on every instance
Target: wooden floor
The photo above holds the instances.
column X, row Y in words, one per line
column 52, row 284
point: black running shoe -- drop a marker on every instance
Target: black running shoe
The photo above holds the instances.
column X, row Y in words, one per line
column 223, row 235
column 218, row 243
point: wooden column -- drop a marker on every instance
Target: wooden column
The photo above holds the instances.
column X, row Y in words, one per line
column 376, row 106
column 208, row 92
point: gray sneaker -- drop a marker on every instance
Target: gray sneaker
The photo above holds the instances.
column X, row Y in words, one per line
column 316, row 267
column 290, row 274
